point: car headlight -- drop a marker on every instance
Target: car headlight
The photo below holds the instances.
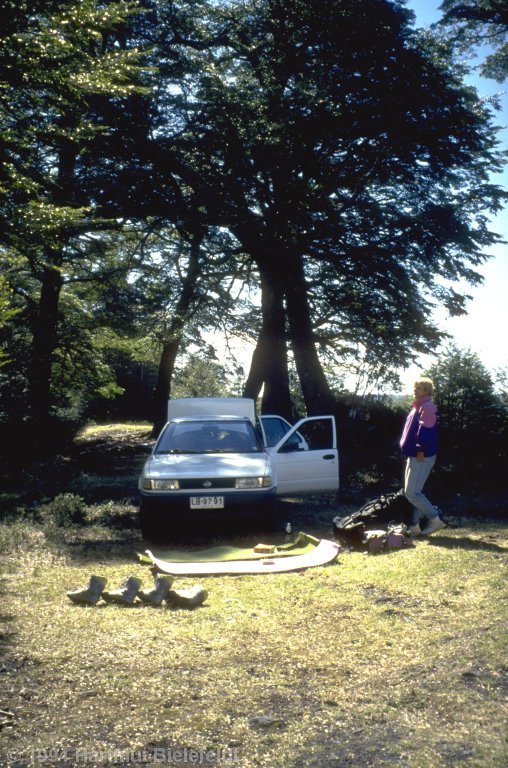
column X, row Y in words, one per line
column 253, row 482
column 160, row 485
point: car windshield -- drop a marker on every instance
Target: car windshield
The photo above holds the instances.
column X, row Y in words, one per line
column 209, row 436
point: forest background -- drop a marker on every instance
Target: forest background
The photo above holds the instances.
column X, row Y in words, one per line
column 313, row 179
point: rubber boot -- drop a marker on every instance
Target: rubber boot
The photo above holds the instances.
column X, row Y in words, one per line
column 91, row 594
column 187, row 598
column 159, row 591
column 126, row 594
column 434, row 524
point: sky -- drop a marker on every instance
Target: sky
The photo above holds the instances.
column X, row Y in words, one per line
column 483, row 329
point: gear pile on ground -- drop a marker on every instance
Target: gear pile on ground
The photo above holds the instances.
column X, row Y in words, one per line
column 382, row 523
column 385, row 522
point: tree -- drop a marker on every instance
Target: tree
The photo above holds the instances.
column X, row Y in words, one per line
column 102, row 313
column 7, row 312
column 474, row 23
column 335, row 147
column 202, row 271
column 201, row 376
column 56, row 56
column 465, row 391
column 346, row 156
column 473, row 418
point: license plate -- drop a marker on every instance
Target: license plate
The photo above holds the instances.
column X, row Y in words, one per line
column 207, row 502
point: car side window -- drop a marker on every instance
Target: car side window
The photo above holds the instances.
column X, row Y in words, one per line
column 313, row 435
column 275, row 429
column 318, row 434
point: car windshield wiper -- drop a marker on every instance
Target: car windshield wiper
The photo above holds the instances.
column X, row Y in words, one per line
column 176, row 450
column 230, row 450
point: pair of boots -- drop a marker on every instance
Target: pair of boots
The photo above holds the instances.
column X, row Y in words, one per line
column 131, row 589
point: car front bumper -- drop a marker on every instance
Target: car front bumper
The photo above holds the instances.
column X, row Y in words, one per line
column 180, row 501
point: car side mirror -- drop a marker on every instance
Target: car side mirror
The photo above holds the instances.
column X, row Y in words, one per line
column 289, row 447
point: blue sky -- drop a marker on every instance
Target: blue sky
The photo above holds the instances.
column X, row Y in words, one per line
column 483, row 328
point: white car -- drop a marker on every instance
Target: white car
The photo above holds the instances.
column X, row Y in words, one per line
column 213, row 456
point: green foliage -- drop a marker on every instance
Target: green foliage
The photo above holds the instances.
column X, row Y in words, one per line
column 465, row 392
column 361, row 153
column 201, row 376
column 7, row 312
column 65, row 510
column 475, row 23
column 19, row 533
column 54, row 60
column 325, row 141
column 473, row 419
column 501, row 383
column 57, row 63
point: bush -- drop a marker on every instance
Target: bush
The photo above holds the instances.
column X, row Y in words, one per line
column 65, row 510
column 473, row 435
column 20, row 534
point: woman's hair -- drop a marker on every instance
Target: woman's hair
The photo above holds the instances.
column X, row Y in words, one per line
column 426, row 383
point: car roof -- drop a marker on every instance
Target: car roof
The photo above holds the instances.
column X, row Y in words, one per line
column 210, row 418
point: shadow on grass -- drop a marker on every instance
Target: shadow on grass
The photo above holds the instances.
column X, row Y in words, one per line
column 8, row 661
column 101, row 552
column 115, row 535
column 201, row 533
column 465, row 542
column 7, row 638
column 119, row 539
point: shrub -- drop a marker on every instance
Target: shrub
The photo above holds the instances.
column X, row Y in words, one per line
column 65, row 510
column 20, row 534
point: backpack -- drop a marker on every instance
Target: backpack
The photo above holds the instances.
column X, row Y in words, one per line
column 396, row 536
column 376, row 514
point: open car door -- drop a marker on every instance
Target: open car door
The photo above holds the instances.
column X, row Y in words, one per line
column 306, row 459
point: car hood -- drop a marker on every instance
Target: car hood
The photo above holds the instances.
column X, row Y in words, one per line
column 207, row 465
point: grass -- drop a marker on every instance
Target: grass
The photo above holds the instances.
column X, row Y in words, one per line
column 377, row 660
column 396, row 659
column 92, row 431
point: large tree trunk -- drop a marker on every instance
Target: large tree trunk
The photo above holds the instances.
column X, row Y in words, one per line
column 269, row 366
column 316, row 392
column 44, row 344
column 165, row 374
column 174, row 336
column 45, row 318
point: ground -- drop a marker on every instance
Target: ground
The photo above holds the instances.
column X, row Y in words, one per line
column 384, row 660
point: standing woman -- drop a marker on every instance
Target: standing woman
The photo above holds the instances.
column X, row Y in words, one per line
column 418, row 443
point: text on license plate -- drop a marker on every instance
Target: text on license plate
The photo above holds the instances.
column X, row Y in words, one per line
column 207, row 502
